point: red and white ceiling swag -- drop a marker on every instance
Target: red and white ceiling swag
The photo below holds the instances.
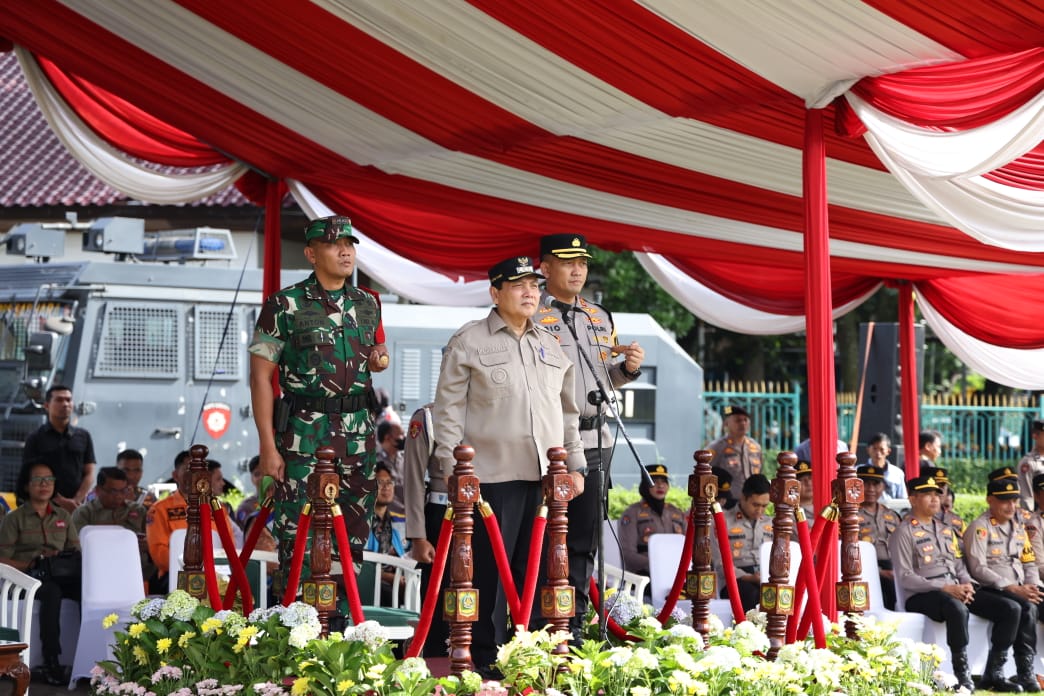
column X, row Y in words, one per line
column 455, row 132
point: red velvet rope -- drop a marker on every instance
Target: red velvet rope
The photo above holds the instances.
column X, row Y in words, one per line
column 596, row 600
column 722, row 533
column 808, row 577
column 248, row 549
column 351, row 586
column 800, row 588
column 536, row 546
column 207, row 548
column 239, row 578
column 304, row 521
column 431, row 597
column 679, row 575
column 489, row 519
column 825, row 543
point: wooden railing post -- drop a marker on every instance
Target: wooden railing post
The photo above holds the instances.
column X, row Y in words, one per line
column 701, row 582
column 322, row 487
column 191, row 577
column 853, row 596
column 557, row 597
column 777, row 595
column 460, row 604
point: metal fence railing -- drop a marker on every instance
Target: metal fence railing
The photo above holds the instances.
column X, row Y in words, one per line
column 775, row 410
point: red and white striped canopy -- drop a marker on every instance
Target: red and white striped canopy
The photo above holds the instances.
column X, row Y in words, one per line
column 456, row 132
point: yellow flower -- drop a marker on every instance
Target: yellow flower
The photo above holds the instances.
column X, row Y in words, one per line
column 211, row 625
column 300, row 687
column 185, row 638
column 163, row 645
column 139, row 655
column 137, row 629
column 343, row 686
column 110, row 620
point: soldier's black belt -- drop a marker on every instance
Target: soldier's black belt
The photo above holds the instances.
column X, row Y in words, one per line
column 591, row 422
column 329, row 404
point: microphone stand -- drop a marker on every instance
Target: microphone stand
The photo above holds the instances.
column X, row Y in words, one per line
column 602, row 507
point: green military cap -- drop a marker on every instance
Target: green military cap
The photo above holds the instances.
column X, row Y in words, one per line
column 803, row 468
column 1003, row 488
column 330, row 229
column 512, row 269
column 564, row 246
column 922, row 484
column 869, row 471
column 1005, row 472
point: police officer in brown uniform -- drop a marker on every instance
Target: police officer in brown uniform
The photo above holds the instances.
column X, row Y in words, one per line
column 1000, row 559
column 877, row 522
column 1034, row 522
column 737, row 452
column 748, row 528
column 1031, row 465
column 803, row 471
column 584, row 329
column 426, row 499
column 506, row 389
column 650, row 515
column 946, row 513
column 930, row 569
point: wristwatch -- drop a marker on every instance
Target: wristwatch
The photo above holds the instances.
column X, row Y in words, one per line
column 628, row 374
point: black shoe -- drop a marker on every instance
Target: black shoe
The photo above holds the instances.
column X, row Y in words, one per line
column 54, row 673
column 489, row 673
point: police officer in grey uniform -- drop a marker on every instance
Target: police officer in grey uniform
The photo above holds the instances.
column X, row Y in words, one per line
column 1000, row 558
column 506, row 389
column 426, row 500
column 877, row 522
column 563, row 261
column 930, row 570
column 1034, row 522
column 748, row 528
column 737, row 452
column 650, row 515
column 1031, row 465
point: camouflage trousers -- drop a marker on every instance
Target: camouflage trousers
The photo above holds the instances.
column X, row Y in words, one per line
column 354, row 445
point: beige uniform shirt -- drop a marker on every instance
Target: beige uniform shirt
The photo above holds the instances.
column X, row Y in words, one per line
column 999, row 554
column 745, row 539
column 741, row 458
column 926, row 557
column 876, row 526
column 597, row 334
column 421, row 471
column 1034, row 523
column 511, row 398
column 637, row 524
column 1029, row 466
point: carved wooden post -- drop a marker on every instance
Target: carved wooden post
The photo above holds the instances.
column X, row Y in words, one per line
column 852, row 594
column 557, row 598
column 460, row 602
column 777, row 595
column 191, row 577
column 319, row 589
column 701, row 582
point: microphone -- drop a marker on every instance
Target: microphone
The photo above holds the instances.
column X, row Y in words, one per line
column 562, row 307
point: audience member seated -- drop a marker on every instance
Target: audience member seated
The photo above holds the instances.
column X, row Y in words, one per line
column 878, row 450
column 29, row 537
column 132, row 463
column 164, row 517
column 112, row 505
column 387, row 530
column 876, row 524
column 391, row 442
column 748, row 528
column 651, row 515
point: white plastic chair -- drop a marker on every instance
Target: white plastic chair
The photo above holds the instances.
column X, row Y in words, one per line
column 611, row 545
column 978, row 637
column 911, row 624
column 766, row 557
column 112, row 583
column 17, row 595
column 626, row 582
column 665, row 554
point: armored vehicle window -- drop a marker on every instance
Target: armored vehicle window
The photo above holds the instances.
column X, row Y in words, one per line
column 14, row 324
column 139, row 341
column 214, row 330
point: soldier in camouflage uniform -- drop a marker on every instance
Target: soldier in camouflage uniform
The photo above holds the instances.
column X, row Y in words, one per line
column 324, row 337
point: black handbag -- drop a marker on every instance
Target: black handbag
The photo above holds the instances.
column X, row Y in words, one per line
column 64, row 565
